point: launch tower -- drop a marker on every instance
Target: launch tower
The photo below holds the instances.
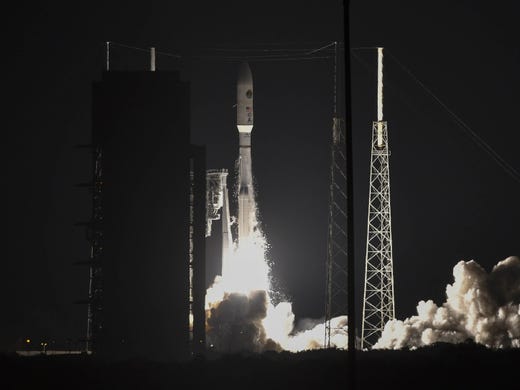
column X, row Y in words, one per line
column 147, row 259
column 378, row 296
column 336, row 303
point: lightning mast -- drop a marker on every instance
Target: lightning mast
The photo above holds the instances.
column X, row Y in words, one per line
column 336, row 303
column 378, row 296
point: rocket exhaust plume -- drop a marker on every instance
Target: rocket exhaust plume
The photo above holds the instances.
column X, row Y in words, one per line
column 240, row 310
column 479, row 306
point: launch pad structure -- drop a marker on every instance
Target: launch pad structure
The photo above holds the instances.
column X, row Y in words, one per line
column 217, row 198
column 378, row 296
column 146, row 232
column 338, row 273
column 95, row 238
column 337, row 293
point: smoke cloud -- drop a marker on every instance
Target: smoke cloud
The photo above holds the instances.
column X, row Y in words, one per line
column 241, row 314
column 241, row 322
column 480, row 306
column 234, row 324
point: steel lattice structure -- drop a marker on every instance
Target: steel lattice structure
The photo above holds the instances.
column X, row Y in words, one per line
column 336, row 294
column 95, row 236
column 337, row 259
column 378, row 298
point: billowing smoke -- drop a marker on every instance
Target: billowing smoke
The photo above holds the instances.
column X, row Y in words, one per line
column 235, row 323
column 480, row 306
column 249, row 322
column 241, row 315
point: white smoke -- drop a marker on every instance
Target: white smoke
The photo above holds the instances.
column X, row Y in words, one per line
column 308, row 334
column 479, row 306
column 241, row 316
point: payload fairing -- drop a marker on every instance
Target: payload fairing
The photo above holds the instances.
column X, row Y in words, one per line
column 246, row 207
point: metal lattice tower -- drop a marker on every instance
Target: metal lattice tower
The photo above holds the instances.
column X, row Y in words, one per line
column 95, row 236
column 337, row 261
column 378, row 297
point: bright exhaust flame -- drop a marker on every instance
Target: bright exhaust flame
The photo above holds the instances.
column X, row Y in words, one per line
column 240, row 313
column 244, row 270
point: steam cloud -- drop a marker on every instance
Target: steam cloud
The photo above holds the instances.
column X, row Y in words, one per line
column 248, row 322
column 241, row 316
column 479, row 306
column 235, row 323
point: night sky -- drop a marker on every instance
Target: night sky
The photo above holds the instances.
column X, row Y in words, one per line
column 450, row 200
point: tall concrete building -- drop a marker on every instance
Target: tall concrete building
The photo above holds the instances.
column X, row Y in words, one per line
column 147, row 285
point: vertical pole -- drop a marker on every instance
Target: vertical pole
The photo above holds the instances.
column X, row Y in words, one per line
column 336, row 52
column 191, row 239
column 350, row 203
column 152, row 59
column 379, row 84
column 380, row 143
column 107, row 56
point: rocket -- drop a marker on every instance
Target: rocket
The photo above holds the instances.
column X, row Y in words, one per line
column 246, row 207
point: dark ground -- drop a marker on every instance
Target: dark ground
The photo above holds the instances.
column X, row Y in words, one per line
column 466, row 366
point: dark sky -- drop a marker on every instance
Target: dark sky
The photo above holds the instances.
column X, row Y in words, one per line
column 450, row 200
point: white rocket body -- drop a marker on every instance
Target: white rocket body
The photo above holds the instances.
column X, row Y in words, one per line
column 246, row 211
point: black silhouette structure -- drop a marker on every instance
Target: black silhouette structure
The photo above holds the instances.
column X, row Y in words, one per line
column 151, row 268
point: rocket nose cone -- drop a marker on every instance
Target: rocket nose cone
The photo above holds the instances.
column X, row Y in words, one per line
column 245, row 76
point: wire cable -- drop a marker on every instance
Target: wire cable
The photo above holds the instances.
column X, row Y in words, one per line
column 468, row 130
column 290, row 54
